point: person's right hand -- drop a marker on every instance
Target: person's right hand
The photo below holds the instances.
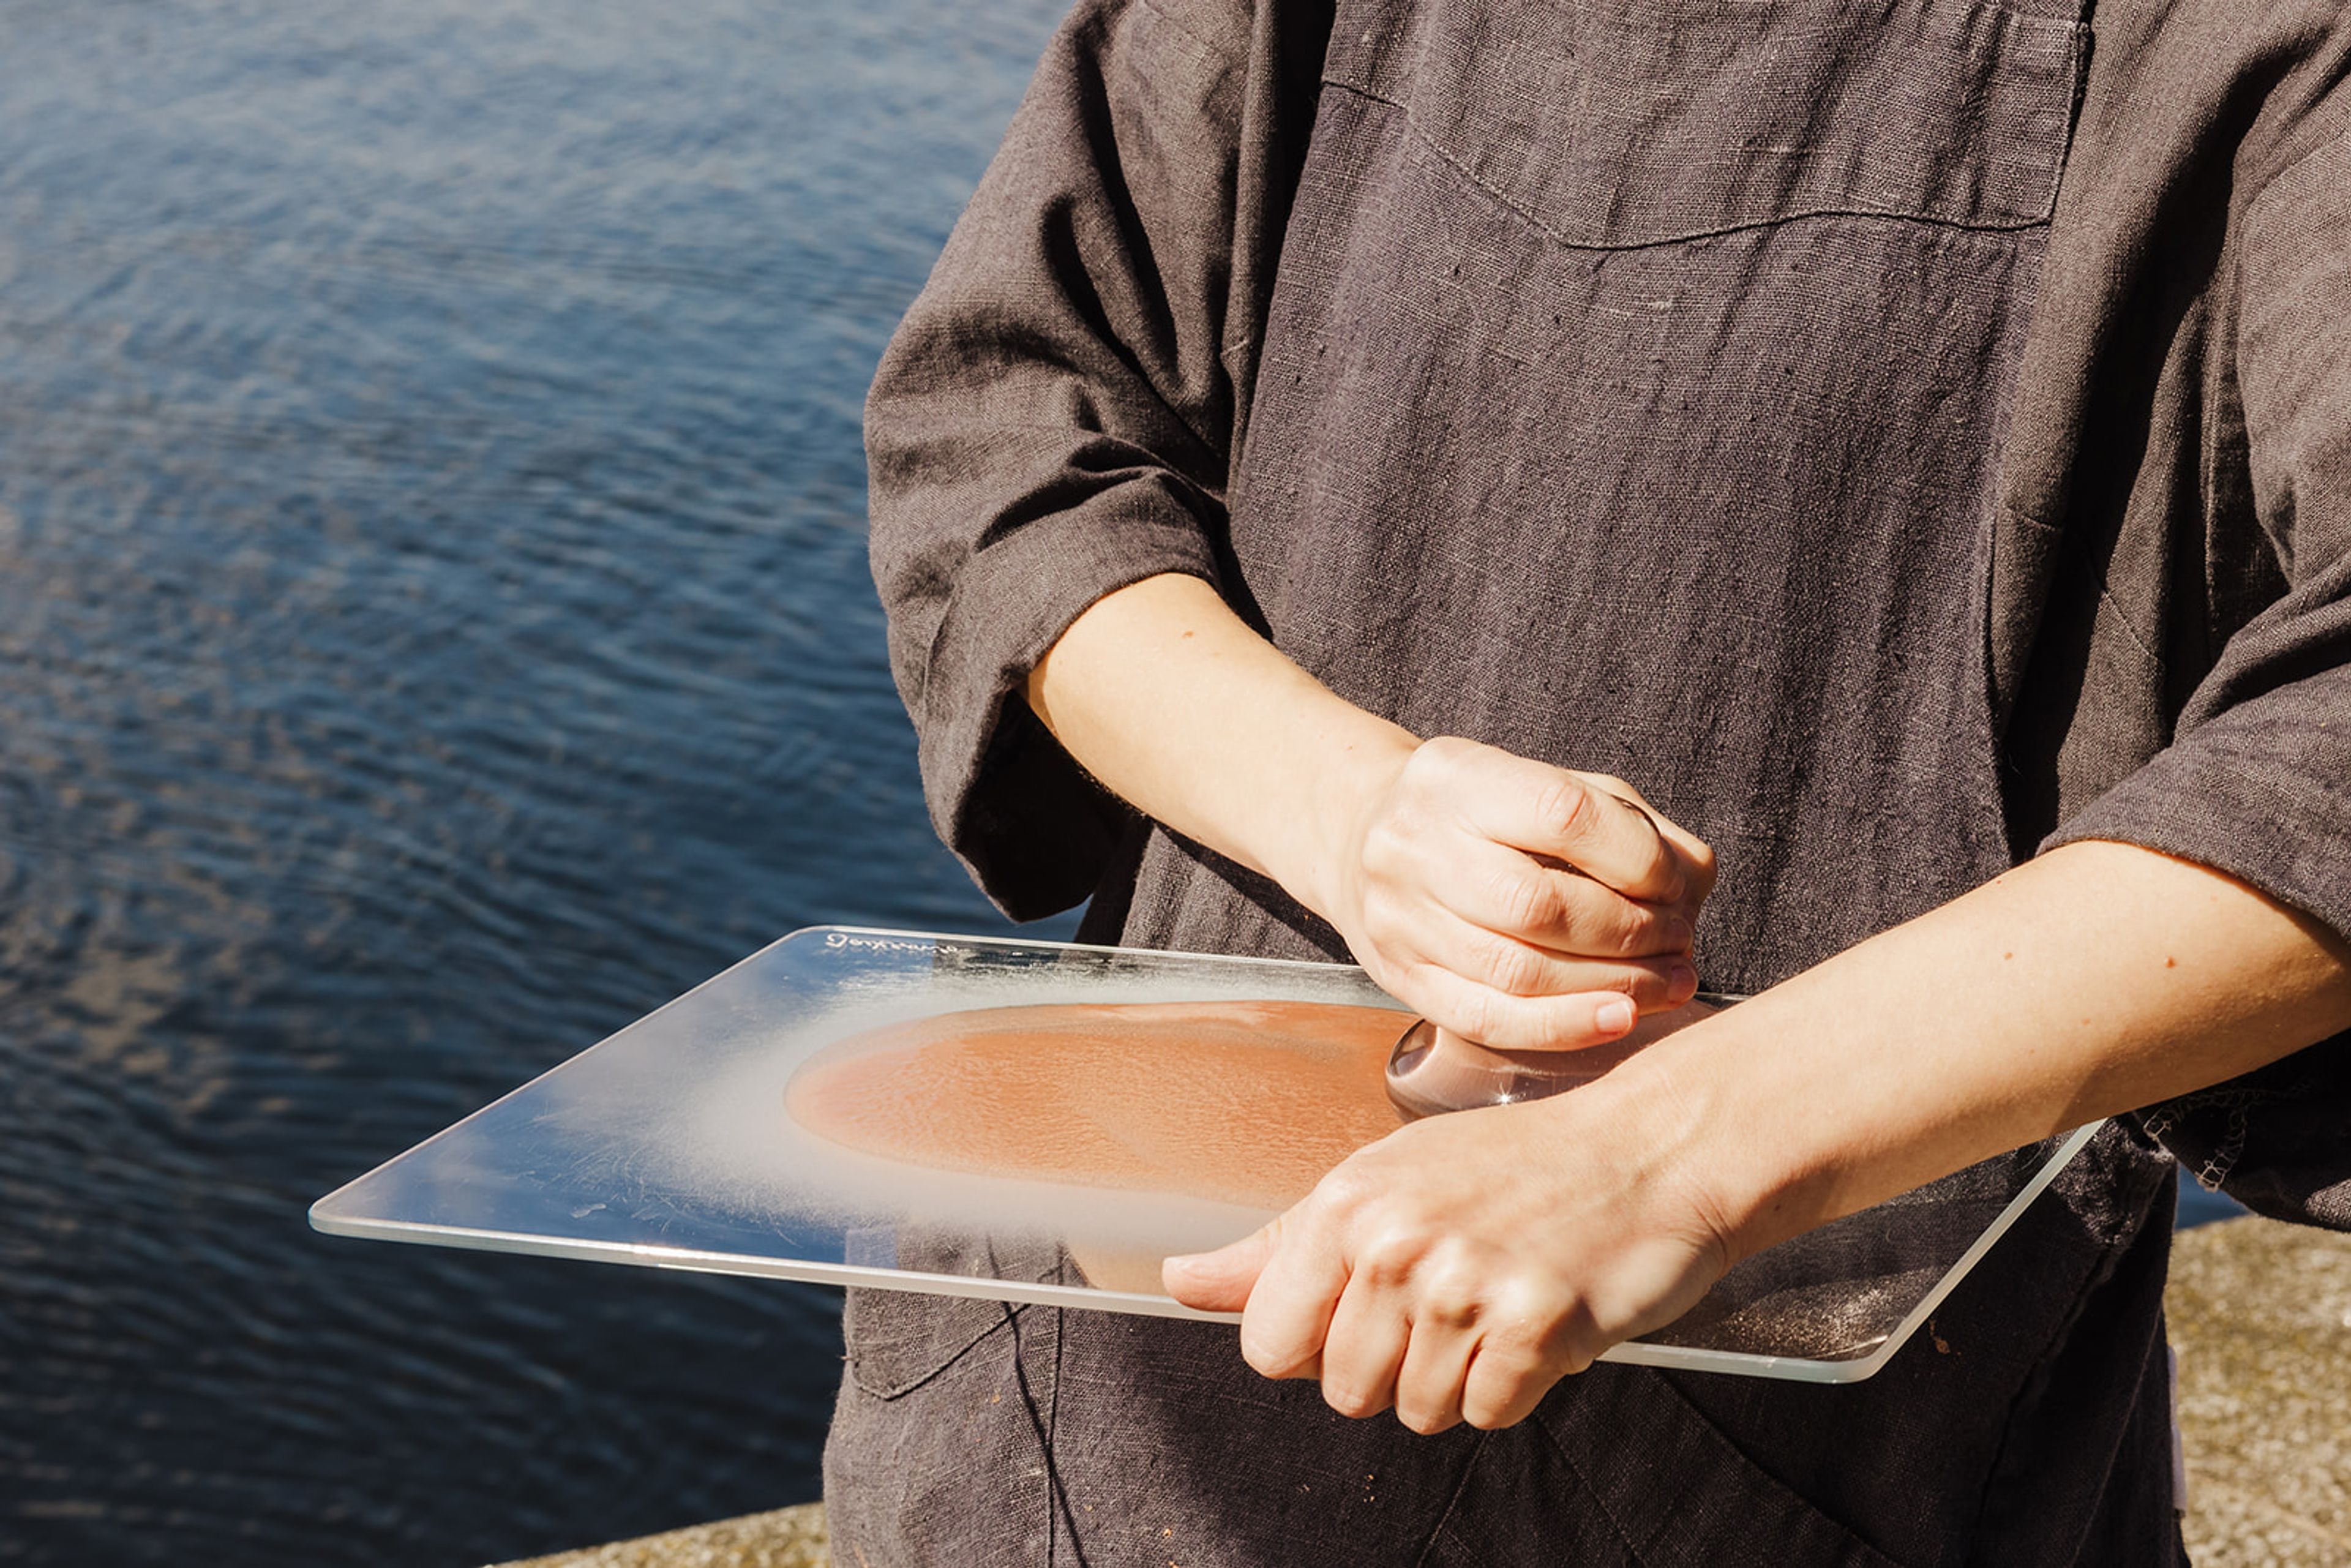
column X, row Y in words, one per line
column 1515, row 904
column 1522, row 906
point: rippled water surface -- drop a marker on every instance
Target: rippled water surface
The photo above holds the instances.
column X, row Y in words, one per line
column 433, row 630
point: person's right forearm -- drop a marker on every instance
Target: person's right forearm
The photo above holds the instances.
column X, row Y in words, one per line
column 1510, row 900
column 1177, row 707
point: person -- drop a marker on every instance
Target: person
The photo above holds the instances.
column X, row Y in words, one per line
column 1551, row 502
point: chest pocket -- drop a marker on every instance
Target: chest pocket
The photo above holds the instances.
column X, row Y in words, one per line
column 1617, row 123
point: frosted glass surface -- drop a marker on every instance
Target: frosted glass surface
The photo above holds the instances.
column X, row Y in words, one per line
column 672, row 1145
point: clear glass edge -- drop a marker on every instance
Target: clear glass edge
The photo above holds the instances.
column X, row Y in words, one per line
column 1853, row 1369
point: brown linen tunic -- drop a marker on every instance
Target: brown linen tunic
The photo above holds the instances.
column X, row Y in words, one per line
column 1888, row 434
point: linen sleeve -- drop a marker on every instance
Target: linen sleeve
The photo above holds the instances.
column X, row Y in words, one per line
column 1052, row 420
column 2257, row 781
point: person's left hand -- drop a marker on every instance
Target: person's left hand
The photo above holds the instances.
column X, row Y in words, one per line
column 1461, row 1266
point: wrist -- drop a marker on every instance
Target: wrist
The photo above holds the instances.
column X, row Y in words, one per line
column 1347, row 767
column 1701, row 1107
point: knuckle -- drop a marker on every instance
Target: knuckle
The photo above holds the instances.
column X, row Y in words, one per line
column 1526, row 902
column 1497, row 1399
column 1418, row 983
column 1511, row 968
column 1379, row 840
column 1665, row 933
column 1455, row 1311
column 1633, row 928
column 1426, row 1423
column 1435, row 758
column 1483, row 1415
column 1387, row 844
column 1668, row 875
column 1386, row 1263
column 1274, row 1360
column 1351, row 1402
column 1481, row 952
column 1564, row 808
column 1657, row 984
column 1344, row 1188
column 1384, row 923
column 1481, row 1016
column 1513, row 1342
column 1451, row 1295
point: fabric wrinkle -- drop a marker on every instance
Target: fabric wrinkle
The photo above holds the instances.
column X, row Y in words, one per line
column 1861, row 483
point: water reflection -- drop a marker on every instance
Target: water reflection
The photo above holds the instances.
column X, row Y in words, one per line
column 434, row 629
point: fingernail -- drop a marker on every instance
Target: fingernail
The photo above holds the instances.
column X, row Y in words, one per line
column 1684, row 978
column 1615, row 1016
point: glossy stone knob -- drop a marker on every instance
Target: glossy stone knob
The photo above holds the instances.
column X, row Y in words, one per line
column 1433, row 1070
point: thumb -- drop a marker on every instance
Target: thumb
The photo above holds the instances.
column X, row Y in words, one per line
column 1219, row 1282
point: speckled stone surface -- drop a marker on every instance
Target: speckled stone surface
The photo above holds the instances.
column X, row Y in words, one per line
column 2260, row 1315
column 788, row 1538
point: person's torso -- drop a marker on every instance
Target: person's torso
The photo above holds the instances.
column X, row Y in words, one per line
column 1633, row 397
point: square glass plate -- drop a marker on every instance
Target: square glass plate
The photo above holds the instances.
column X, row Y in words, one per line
column 671, row 1145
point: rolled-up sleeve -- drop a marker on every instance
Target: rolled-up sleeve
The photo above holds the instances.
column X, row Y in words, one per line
column 2257, row 781
column 1053, row 419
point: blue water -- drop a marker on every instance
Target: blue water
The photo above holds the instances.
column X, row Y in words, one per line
column 433, row 630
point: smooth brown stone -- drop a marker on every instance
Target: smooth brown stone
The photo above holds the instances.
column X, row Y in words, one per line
column 1244, row 1103
column 1436, row 1071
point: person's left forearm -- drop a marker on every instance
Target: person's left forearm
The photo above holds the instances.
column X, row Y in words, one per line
column 2095, row 980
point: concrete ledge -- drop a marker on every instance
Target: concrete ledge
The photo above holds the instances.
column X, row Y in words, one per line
column 2260, row 1315
column 788, row 1538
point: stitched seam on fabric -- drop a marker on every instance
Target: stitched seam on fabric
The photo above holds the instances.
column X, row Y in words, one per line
column 2093, row 1279
column 2238, row 1102
column 1187, row 532
column 1598, row 1501
column 2077, row 65
column 1209, row 53
column 1512, row 205
column 2106, row 594
column 1059, row 1505
column 2284, row 547
column 2129, row 631
column 1476, row 1451
column 898, row 1390
column 2208, row 481
column 2252, row 207
column 2015, row 513
column 1853, row 1548
column 1056, row 1503
column 2235, row 417
column 1061, row 432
